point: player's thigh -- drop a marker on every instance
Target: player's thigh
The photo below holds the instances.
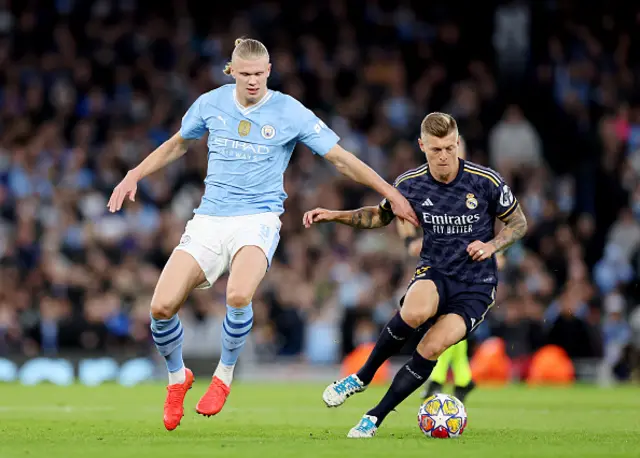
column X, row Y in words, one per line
column 197, row 262
column 252, row 251
column 248, row 268
column 471, row 302
column 180, row 276
column 447, row 331
column 420, row 303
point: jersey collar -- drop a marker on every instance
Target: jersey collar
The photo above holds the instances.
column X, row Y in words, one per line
column 455, row 180
column 246, row 110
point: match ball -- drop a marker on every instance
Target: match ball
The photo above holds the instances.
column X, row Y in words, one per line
column 442, row 416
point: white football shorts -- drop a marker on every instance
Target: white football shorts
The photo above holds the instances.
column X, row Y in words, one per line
column 213, row 241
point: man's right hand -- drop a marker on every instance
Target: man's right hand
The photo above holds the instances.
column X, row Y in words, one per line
column 126, row 188
column 317, row 215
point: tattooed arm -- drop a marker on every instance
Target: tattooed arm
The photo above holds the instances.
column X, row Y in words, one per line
column 515, row 228
column 362, row 218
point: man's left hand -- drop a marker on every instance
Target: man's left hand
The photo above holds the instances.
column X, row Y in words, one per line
column 480, row 251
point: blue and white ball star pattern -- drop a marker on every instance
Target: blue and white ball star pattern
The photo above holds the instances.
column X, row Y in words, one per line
column 442, row 416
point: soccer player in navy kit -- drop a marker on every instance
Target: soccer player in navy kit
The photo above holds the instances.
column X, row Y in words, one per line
column 456, row 356
column 455, row 280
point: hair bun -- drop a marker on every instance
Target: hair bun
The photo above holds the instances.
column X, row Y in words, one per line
column 238, row 41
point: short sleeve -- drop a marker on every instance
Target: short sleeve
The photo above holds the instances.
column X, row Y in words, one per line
column 314, row 133
column 502, row 202
column 401, row 186
column 193, row 125
column 385, row 206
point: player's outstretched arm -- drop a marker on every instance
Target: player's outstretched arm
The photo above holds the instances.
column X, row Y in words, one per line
column 354, row 168
column 362, row 218
column 168, row 152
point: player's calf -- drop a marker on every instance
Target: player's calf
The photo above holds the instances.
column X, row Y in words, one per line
column 181, row 274
column 408, row 379
column 247, row 270
column 236, row 327
column 449, row 330
column 391, row 340
column 178, row 278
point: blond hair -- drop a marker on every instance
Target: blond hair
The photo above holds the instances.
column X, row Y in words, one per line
column 246, row 48
column 438, row 124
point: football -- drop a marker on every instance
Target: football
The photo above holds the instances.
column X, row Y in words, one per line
column 442, row 416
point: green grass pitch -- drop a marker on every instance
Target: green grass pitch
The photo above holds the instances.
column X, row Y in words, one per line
column 290, row 420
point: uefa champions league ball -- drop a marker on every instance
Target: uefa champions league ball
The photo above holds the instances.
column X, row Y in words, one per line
column 442, row 416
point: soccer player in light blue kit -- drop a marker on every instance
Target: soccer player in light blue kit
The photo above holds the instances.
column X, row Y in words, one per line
column 252, row 133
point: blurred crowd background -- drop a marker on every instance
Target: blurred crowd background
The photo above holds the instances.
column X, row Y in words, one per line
column 545, row 92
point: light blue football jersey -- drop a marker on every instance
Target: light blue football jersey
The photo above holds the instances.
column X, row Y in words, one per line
column 250, row 148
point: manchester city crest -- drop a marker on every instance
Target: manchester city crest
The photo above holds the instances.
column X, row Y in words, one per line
column 244, row 128
column 472, row 202
column 268, row 132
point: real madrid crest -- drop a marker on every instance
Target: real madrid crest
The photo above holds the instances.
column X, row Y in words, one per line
column 244, row 128
column 268, row 132
column 472, row 202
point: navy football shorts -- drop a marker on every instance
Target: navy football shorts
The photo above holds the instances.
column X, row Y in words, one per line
column 471, row 301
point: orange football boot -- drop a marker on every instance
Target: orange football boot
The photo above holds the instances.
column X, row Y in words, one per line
column 213, row 400
column 174, row 404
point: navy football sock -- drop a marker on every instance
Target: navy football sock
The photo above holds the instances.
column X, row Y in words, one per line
column 391, row 340
column 408, row 379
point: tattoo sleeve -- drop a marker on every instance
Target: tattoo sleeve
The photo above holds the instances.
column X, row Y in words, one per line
column 515, row 228
column 366, row 217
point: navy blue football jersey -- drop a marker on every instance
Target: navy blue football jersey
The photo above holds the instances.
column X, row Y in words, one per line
column 455, row 214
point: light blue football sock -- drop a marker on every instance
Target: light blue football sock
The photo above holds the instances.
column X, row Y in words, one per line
column 235, row 330
column 168, row 336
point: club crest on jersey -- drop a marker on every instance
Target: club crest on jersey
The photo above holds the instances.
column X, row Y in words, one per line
column 472, row 202
column 268, row 132
column 244, row 128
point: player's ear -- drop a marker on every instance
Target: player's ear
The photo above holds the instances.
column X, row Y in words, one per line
column 268, row 69
column 420, row 144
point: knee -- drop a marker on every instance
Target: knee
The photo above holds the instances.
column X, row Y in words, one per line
column 162, row 309
column 432, row 349
column 414, row 318
column 237, row 298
